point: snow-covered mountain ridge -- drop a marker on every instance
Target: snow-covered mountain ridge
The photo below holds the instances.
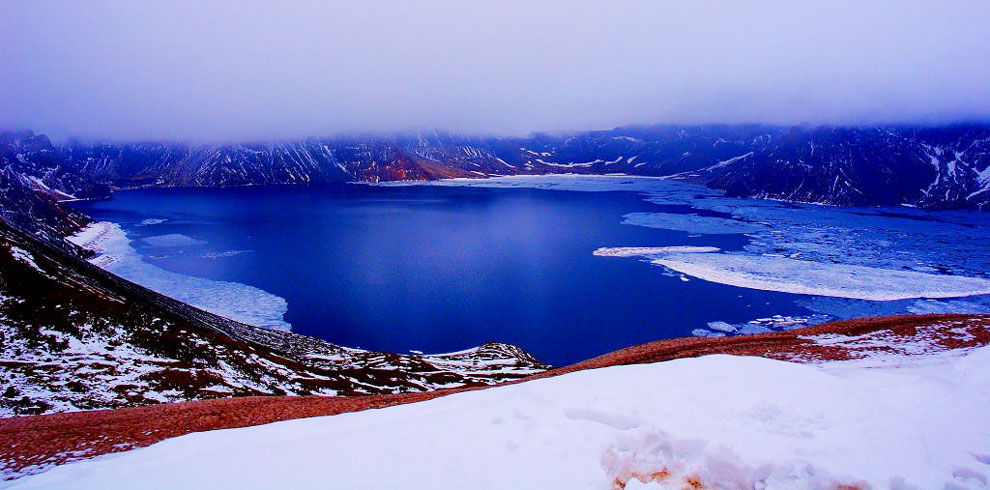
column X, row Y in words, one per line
column 931, row 167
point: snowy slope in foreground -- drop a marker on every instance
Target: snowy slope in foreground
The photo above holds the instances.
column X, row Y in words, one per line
column 712, row 422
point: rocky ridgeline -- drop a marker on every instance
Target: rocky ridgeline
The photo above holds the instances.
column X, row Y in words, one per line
column 932, row 167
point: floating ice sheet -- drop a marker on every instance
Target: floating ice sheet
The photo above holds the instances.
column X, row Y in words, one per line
column 806, row 277
column 787, row 275
column 956, row 242
column 692, row 223
column 171, row 240
column 233, row 300
column 761, row 325
column 645, row 251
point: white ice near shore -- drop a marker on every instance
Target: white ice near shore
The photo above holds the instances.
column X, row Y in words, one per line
column 787, row 275
column 761, row 325
column 806, row 277
column 233, row 300
column 728, row 422
column 641, row 251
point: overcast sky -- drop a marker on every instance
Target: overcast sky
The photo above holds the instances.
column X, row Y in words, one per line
column 266, row 70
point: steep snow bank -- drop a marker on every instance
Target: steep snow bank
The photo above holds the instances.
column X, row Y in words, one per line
column 718, row 421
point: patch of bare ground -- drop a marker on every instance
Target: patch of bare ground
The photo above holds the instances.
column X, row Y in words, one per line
column 833, row 341
column 29, row 444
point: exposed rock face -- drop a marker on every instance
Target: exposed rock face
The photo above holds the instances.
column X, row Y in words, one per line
column 35, row 212
column 935, row 168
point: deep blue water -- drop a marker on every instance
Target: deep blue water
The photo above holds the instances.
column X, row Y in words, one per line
column 439, row 269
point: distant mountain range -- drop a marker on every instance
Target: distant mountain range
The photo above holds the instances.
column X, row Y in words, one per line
column 929, row 167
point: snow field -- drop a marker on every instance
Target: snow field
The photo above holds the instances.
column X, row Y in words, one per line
column 720, row 421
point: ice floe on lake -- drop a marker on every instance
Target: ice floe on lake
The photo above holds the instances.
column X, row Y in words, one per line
column 640, row 251
column 788, row 275
column 845, row 308
column 233, row 300
column 172, row 240
column 692, row 223
column 721, row 327
column 805, row 277
column 955, row 243
column 228, row 253
column 760, row 325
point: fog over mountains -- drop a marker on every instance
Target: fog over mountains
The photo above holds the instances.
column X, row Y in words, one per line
column 843, row 102
column 930, row 167
column 250, row 70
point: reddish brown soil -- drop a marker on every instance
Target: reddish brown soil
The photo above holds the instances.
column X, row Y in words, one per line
column 936, row 330
column 28, row 443
column 42, row 440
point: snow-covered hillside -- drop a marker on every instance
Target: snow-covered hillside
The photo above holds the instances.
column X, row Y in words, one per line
column 885, row 421
column 74, row 337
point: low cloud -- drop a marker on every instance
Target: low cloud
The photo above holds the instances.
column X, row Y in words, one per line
column 269, row 70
